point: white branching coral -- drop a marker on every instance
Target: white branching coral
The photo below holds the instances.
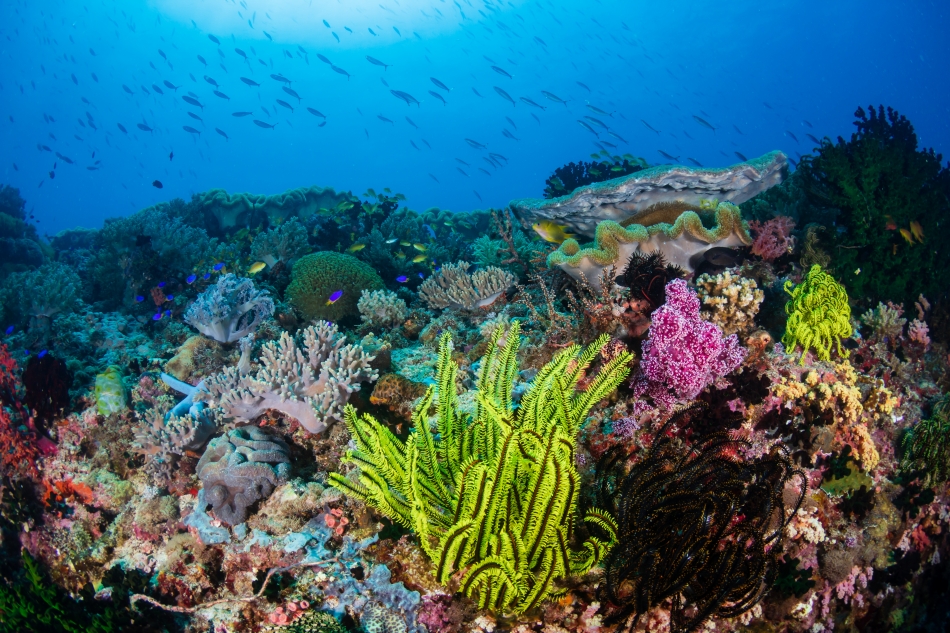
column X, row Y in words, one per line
column 382, row 308
column 310, row 384
column 730, row 301
column 286, row 243
column 230, row 309
column 453, row 287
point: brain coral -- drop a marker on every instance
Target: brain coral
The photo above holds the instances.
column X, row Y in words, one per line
column 317, row 276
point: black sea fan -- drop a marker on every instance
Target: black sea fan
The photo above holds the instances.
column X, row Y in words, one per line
column 646, row 275
column 700, row 526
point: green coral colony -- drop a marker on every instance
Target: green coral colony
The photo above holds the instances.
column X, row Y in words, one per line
column 641, row 403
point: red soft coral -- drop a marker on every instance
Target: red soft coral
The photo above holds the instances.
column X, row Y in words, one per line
column 773, row 238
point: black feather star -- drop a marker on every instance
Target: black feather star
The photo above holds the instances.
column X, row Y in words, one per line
column 700, row 526
column 646, row 275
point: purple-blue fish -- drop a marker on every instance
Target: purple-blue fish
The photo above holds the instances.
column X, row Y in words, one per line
column 334, row 297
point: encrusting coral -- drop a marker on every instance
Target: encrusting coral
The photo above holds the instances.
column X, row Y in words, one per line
column 310, row 384
column 818, row 315
column 730, row 301
column 239, row 469
column 453, row 287
column 493, row 497
column 382, row 308
column 230, row 309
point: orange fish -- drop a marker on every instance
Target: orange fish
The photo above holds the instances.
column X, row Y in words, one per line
column 907, row 236
column 917, row 231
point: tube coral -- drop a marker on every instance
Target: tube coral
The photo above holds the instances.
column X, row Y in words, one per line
column 818, row 315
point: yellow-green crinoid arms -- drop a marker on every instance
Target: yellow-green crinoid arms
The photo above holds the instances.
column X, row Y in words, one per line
column 818, row 315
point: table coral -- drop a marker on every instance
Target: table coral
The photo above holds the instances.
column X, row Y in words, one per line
column 730, row 301
column 230, row 309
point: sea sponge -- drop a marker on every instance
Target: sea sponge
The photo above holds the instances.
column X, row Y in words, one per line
column 110, row 392
column 730, row 301
column 398, row 394
column 317, row 276
column 818, row 315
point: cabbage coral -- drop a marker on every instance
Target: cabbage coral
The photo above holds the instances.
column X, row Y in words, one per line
column 818, row 315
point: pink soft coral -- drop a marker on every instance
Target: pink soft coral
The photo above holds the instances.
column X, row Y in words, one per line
column 772, row 237
column 684, row 354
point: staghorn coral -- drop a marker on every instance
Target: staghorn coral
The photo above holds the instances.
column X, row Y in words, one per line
column 730, row 301
column 239, row 469
column 700, row 526
column 284, row 244
column 317, row 276
column 452, row 287
column 773, row 238
column 382, row 308
column 818, row 315
column 683, row 354
column 230, row 309
column 310, row 384
column 492, row 499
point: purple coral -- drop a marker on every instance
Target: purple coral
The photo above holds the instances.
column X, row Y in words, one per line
column 230, row 309
column 684, row 354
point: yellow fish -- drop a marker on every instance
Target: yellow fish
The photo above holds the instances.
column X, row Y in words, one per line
column 907, row 236
column 419, row 247
column 355, row 248
column 256, row 267
column 551, row 232
column 400, row 255
column 418, row 258
column 404, row 243
column 917, row 231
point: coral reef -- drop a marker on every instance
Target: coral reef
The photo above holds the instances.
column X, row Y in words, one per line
column 239, row 469
column 453, row 287
column 462, row 493
column 230, row 309
column 818, row 315
column 773, row 238
column 311, row 383
column 317, row 277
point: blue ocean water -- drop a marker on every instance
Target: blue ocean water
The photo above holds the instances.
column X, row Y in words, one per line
column 89, row 121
